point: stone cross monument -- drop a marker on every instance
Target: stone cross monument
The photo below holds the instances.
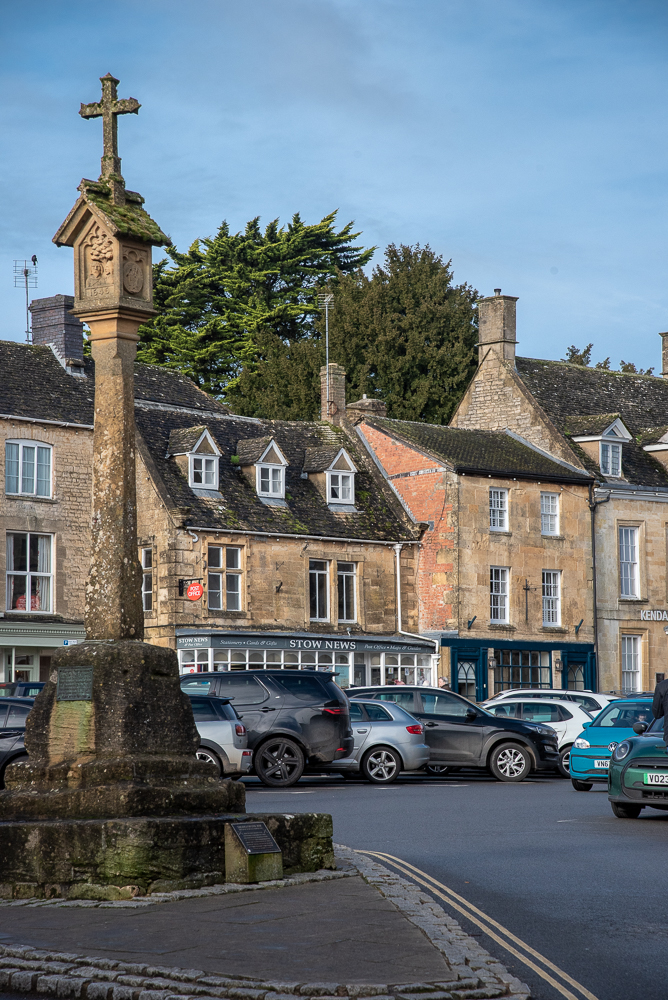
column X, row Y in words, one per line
column 111, row 737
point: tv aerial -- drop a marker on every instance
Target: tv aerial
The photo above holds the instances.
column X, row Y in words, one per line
column 25, row 276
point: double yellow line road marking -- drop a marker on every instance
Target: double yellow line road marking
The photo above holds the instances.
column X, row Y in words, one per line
column 533, row 959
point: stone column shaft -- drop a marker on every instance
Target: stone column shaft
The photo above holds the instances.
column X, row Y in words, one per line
column 113, row 596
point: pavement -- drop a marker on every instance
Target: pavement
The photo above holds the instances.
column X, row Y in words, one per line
column 363, row 931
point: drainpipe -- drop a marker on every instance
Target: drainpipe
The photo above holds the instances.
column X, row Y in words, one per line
column 593, row 504
column 397, row 559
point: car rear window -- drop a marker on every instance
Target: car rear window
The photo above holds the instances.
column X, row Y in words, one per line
column 203, row 710
column 623, row 715
column 17, row 715
column 244, row 687
column 306, row 688
column 590, row 704
column 504, row 711
column 226, row 710
column 195, row 685
column 356, row 712
column 378, row 714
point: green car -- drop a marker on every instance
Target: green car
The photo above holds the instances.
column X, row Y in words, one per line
column 638, row 772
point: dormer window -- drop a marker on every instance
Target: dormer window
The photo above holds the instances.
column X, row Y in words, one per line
column 611, row 459
column 197, row 455
column 341, row 487
column 270, row 472
column 204, row 472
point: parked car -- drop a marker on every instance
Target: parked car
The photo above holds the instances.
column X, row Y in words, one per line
column 638, row 772
column 387, row 740
column 461, row 734
column 566, row 718
column 13, row 715
column 224, row 741
column 20, row 689
column 592, row 750
column 296, row 720
column 591, row 701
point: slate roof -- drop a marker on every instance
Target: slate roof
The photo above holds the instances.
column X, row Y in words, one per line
column 592, row 424
column 565, row 391
column 320, row 459
column 182, row 440
column 34, row 384
column 479, row 451
column 250, row 450
column 130, row 219
column 378, row 516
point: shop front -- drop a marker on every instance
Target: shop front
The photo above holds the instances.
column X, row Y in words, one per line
column 357, row 661
column 481, row 669
column 26, row 647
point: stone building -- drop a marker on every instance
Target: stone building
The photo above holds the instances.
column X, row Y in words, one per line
column 303, row 553
column 504, row 572
column 613, row 426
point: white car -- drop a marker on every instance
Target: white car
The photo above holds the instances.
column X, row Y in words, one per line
column 591, row 701
column 565, row 717
column 223, row 736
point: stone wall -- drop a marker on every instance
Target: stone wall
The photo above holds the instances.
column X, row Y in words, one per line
column 65, row 515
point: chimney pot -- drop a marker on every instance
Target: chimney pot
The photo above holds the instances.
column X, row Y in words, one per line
column 497, row 291
column 664, row 355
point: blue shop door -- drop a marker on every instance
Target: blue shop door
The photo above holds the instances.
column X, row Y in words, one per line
column 579, row 672
column 469, row 675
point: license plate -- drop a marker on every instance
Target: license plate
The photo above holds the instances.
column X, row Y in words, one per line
column 602, row 764
column 656, row 778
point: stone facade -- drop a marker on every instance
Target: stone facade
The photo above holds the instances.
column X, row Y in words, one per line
column 29, row 635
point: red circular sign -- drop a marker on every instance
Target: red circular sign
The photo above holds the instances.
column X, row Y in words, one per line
column 194, row 591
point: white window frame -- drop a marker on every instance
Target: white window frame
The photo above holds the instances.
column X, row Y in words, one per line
column 276, row 477
column 340, row 474
column 628, row 538
column 549, row 513
column 147, row 578
column 316, row 574
column 551, row 588
column 499, row 594
column 342, row 575
column 21, row 444
column 211, row 473
column 225, row 578
column 29, row 574
column 631, row 650
column 498, row 509
column 611, row 468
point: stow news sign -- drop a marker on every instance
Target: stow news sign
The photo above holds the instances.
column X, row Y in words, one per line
column 324, row 643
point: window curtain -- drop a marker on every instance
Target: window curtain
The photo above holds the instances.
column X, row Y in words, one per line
column 12, row 468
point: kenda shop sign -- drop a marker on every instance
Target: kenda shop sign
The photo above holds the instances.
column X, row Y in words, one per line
column 654, row 616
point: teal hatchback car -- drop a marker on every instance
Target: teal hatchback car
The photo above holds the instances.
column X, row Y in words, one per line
column 638, row 773
column 592, row 750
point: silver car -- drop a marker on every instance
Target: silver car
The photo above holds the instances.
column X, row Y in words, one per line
column 223, row 737
column 387, row 740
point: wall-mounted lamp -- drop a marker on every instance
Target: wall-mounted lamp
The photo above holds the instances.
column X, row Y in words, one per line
column 557, row 664
column 578, row 627
column 471, row 620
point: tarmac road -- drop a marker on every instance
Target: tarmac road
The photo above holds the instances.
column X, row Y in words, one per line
column 552, row 865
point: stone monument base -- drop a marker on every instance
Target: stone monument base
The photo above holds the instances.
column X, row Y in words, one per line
column 133, row 856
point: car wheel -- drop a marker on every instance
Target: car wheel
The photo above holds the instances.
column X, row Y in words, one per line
column 564, row 762
column 209, row 757
column 381, row 765
column 279, row 763
column 626, row 810
column 510, row 762
column 14, row 760
column 581, row 786
column 437, row 770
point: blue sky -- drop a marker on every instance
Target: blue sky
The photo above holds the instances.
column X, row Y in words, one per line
column 524, row 139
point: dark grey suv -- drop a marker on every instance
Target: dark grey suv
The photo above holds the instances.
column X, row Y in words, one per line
column 296, row 719
column 461, row 734
column 13, row 715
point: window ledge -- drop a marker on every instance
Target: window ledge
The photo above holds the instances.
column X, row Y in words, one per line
column 633, row 600
column 559, row 538
column 150, row 614
column 215, row 613
column 272, row 501
column 30, row 497
column 553, row 628
column 498, row 531
column 500, row 626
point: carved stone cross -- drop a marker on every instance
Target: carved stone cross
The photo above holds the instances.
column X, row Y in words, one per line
column 108, row 110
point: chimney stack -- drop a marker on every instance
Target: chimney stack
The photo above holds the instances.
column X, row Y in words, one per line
column 333, row 411
column 54, row 324
column 664, row 355
column 496, row 328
